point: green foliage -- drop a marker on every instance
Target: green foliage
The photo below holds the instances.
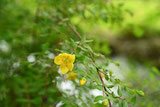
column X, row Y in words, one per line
column 32, row 32
column 94, row 74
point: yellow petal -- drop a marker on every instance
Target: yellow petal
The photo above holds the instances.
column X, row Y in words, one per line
column 72, row 76
column 57, row 60
column 60, row 58
column 70, row 66
column 63, row 69
column 71, row 58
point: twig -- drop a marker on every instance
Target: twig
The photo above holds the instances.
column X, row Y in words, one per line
column 104, row 86
column 88, row 67
column 74, row 30
column 28, row 97
column 98, row 71
column 80, row 44
column 91, row 56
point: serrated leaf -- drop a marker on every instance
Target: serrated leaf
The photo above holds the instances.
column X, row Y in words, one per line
column 98, row 98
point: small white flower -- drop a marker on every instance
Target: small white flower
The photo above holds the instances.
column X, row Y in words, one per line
column 31, row 58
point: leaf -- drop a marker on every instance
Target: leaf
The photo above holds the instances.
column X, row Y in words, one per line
column 109, row 86
column 133, row 100
column 88, row 48
column 140, row 93
column 123, row 104
column 98, row 98
column 73, row 44
column 119, row 91
column 106, row 77
column 99, row 87
column 112, row 98
column 87, row 41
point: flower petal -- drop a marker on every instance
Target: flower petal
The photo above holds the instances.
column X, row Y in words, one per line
column 70, row 66
column 72, row 76
column 60, row 58
column 71, row 58
column 64, row 69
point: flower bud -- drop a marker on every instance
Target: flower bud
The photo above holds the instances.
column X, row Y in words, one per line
column 83, row 81
column 105, row 103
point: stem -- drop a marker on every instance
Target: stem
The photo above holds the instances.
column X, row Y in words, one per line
column 104, row 86
column 98, row 71
column 74, row 30
column 28, row 97
column 91, row 56
column 80, row 44
column 88, row 68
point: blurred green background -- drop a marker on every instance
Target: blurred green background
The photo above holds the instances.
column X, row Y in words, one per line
column 127, row 31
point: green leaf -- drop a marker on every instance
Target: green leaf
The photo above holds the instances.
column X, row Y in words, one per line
column 106, row 77
column 98, row 98
column 119, row 91
column 88, row 47
column 123, row 104
column 140, row 93
column 73, row 44
column 133, row 100
column 109, row 86
column 99, row 87
column 87, row 41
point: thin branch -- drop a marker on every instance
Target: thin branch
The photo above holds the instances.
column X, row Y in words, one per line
column 80, row 44
column 88, row 67
column 91, row 56
column 104, row 86
column 74, row 30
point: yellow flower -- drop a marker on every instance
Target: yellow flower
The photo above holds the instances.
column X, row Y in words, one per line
column 72, row 76
column 83, row 81
column 65, row 61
